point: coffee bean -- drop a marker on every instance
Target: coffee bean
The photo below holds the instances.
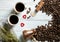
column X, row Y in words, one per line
column 50, row 33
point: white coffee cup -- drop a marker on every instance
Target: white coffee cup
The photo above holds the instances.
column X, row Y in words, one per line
column 13, row 19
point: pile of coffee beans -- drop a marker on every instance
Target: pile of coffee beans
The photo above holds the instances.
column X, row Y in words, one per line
column 50, row 33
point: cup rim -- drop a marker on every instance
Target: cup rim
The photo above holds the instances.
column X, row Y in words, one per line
column 9, row 20
column 15, row 6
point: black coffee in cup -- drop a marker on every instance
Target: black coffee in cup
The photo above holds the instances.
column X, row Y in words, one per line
column 13, row 19
column 19, row 7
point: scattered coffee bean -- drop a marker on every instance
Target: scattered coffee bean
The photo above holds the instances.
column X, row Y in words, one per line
column 50, row 33
column 28, row 17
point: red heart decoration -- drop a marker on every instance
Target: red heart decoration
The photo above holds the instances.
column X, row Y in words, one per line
column 22, row 24
column 24, row 16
